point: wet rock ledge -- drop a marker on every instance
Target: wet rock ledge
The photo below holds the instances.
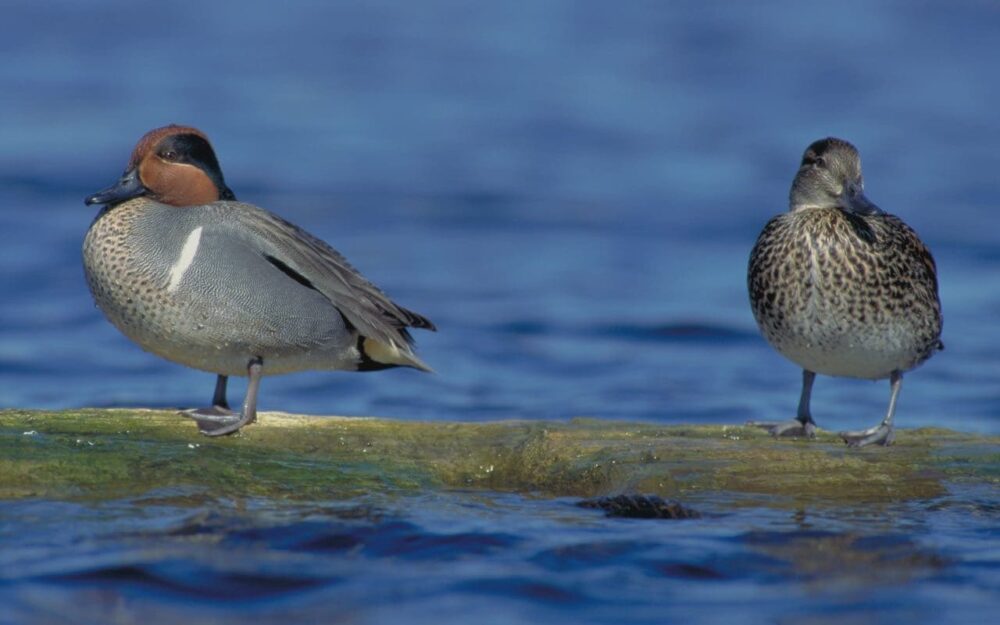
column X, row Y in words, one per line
column 100, row 454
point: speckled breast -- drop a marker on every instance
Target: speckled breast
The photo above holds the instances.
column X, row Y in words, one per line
column 845, row 295
column 175, row 283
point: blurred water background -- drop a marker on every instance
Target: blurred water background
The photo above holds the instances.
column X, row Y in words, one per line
column 570, row 191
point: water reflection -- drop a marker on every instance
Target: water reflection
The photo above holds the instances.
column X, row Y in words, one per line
column 523, row 557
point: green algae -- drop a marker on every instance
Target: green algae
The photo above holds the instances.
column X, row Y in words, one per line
column 103, row 454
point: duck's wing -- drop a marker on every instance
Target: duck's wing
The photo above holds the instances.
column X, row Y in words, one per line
column 312, row 262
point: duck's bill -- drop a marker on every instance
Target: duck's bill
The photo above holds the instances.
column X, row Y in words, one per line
column 127, row 187
column 859, row 204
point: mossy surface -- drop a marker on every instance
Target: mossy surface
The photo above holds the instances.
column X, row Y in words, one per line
column 103, row 454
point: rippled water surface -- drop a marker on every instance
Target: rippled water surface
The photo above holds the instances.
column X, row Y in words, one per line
column 570, row 191
column 444, row 558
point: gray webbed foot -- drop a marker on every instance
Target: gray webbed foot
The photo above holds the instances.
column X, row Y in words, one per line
column 802, row 425
column 792, row 427
column 218, row 412
column 212, row 413
column 219, row 420
column 214, row 419
column 880, row 434
column 222, row 426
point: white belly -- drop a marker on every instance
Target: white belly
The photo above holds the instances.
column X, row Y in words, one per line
column 858, row 351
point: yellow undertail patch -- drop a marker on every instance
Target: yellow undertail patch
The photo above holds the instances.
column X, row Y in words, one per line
column 392, row 355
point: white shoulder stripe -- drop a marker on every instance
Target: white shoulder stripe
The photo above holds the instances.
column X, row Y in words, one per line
column 184, row 260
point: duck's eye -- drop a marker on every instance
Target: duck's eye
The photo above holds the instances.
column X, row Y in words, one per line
column 168, row 155
column 811, row 158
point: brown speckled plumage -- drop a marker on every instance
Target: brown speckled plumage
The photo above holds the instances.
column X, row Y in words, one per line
column 840, row 287
column 821, row 282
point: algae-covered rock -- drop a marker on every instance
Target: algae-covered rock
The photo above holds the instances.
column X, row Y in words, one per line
column 114, row 453
column 640, row 507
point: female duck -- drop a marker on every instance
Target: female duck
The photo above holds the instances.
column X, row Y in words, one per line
column 842, row 288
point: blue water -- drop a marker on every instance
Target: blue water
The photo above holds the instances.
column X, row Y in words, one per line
column 488, row 558
column 569, row 190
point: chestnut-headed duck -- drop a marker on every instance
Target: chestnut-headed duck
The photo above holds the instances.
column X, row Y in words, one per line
column 192, row 275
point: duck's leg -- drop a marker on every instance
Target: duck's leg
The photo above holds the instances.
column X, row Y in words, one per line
column 881, row 433
column 219, row 409
column 219, row 427
column 219, row 398
column 802, row 424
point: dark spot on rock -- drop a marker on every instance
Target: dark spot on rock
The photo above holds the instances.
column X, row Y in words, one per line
column 640, row 507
